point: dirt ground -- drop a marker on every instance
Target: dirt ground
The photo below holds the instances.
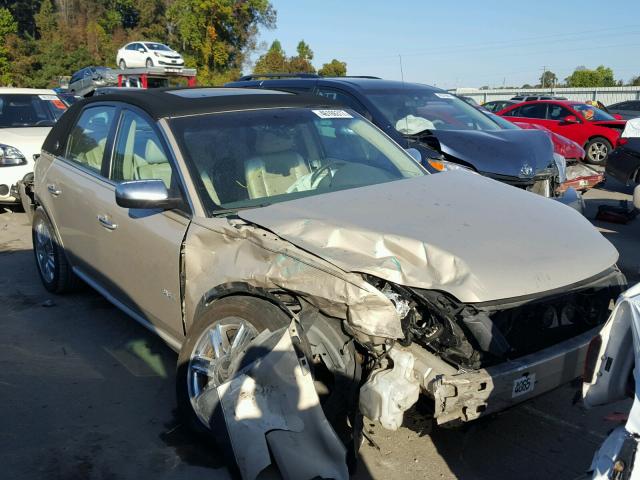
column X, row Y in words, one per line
column 87, row 393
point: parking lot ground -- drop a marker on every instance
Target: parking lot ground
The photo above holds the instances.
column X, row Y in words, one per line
column 87, row 393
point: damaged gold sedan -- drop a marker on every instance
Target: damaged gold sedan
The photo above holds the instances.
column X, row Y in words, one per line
column 251, row 228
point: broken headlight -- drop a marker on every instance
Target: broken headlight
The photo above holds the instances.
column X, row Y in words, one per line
column 11, row 156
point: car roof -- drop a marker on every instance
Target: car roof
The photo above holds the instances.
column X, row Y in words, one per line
column 360, row 83
column 179, row 102
column 27, row 91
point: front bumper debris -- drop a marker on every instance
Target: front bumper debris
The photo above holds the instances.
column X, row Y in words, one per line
column 468, row 395
column 272, row 412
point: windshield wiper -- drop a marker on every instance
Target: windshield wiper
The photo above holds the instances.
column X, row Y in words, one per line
column 221, row 212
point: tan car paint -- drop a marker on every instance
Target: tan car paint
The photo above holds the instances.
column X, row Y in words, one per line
column 138, row 263
column 219, row 251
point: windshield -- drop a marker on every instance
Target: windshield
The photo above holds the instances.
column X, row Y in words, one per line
column 413, row 111
column 157, row 47
column 19, row 110
column 258, row 157
column 591, row 113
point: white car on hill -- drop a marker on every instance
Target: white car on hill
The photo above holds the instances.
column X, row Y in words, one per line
column 148, row 54
column 26, row 116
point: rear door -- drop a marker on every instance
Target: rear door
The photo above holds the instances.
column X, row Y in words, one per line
column 140, row 248
column 535, row 112
column 76, row 180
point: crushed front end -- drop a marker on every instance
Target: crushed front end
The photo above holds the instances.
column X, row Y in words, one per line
column 474, row 359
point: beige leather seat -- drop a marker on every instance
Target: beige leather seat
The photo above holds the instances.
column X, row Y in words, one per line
column 155, row 164
column 275, row 168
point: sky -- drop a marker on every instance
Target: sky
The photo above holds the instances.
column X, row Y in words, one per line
column 463, row 43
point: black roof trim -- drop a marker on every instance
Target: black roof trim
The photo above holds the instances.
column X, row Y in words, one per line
column 258, row 76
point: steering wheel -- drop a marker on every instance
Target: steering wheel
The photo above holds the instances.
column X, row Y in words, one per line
column 325, row 167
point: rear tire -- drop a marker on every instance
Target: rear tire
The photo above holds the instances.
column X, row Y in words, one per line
column 597, row 150
column 51, row 261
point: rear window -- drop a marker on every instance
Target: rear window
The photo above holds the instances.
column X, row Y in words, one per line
column 20, row 110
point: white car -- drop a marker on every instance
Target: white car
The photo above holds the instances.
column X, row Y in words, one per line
column 26, row 116
column 612, row 374
column 148, row 54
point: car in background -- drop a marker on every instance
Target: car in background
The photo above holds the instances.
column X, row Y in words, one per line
column 497, row 105
column 531, row 98
column 148, row 54
column 69, row 98
column 26, row 117
column 627, row 110
column 624, row 162
column 448, row 133
column 84, row 82
column 596, row 131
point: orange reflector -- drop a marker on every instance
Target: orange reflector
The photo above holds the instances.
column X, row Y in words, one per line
column 437, row 164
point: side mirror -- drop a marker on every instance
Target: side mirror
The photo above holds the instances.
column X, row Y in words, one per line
column 145, row 194
column 570, row 119
column 636, row 197
column 617, row 116
column 415, row 153
column 141, row 50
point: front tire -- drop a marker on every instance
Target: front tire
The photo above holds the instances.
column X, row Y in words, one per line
column 51, row 261
column 122, row 64
column 597, row 150
column 217, row 331
column 149, row 63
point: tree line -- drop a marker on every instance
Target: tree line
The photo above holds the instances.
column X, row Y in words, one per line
column 582, row 76
column 43, row 40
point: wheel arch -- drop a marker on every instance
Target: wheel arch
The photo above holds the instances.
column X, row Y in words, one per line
column 236, row 289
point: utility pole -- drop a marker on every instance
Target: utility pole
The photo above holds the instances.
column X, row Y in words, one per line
column 544, row 76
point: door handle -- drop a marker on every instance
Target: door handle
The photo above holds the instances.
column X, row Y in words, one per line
column 53, row 190
column 106, row 223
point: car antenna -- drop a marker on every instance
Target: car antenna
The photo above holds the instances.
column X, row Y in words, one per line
column 406, row 118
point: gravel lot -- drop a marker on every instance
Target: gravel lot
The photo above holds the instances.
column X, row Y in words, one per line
column 87, row 393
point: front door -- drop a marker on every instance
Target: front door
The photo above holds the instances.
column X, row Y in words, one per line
column 140, row 248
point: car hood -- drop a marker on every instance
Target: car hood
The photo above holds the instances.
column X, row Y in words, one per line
column 501, row 152
column 461, row 233
column 26, row 139
column 615, row 124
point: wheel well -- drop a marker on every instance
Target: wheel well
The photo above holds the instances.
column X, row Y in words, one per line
column 597, row 136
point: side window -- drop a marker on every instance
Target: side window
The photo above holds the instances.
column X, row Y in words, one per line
column 344, row 98
column 87, row 72
column 139, row 154
column 131, row 46
column 536, row 110
column 88, row 138
column 557, row 112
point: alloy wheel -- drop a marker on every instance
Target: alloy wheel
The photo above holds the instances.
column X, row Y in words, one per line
column 598, row 151
column 45, row 251
column 213, row 359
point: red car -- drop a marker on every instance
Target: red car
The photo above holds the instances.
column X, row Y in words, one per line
column 595, row 130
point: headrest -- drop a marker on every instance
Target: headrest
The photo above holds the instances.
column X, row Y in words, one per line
column 153, row 153
column 271, row 143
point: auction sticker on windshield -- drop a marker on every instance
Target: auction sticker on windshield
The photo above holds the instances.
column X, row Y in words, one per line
column 524, row 384
column 332, row 114
column 448, row 96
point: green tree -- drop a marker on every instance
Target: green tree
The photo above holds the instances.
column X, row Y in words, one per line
column 548, row 79
column 8, row 26
column 334, row 68
column 584, row 77
column 635, row 81
column 301, row 63
column 216, row 34
column 274, row 61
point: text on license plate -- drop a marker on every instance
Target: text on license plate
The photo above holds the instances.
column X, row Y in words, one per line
column 524, row 384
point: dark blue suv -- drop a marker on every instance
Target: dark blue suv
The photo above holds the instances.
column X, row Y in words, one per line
column 448, row 133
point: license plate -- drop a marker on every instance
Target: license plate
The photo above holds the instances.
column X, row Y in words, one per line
column 524, row 384
column 584, row 183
